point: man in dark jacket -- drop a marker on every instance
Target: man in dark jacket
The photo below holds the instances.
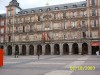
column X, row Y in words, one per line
column 16, row 54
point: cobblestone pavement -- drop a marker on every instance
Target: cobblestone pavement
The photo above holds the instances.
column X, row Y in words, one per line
column 51, row 65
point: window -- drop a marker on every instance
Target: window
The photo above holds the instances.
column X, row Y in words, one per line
column 31, row 19
column 93, row 2
column 31, row 28
column 2, row 30
column 48, row 9
column 83, row 23
column 93, row 12
column 38, row 18
column 64, row 15
column 74, row 24
column 40, row 10
column 84, row 35
column 84, row 13
column 23, row 20
column 94, row 22
column 25, row 12
column 9, row 13
column 56, row 8
column 16, row 20
column 9, row 21
column 9, row 38
column 32, row 11
column 2, row 23
column 16, row 29
column 84, row 5
column 74, row 6
column 65, row 7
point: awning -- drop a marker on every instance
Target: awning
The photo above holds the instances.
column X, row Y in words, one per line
column 95, row 43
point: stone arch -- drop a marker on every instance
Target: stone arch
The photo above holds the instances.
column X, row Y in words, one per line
column 47, row 49
column 31, row 50
column 9, row 50
column 65, row 49
column 75, row 48
column 17, row 48
column 84, row 48
column 39, row 49
column 23, row 49
column 56, row 49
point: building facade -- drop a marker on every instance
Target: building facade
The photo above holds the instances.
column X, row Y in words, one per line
column 2, row 29
column 63, row 29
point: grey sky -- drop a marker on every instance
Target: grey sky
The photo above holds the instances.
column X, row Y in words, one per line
column 34, row 3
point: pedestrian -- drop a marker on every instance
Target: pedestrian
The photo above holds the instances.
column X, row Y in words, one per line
column 97, row 53
column 16, row 54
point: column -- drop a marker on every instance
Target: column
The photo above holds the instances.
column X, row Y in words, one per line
column 70, row 48
column 52, row 49
column 5, row 50
column 35, row 49
column 89, row 48
column 13, row 49
column 27, row 49
column 61, row 49
column 43, row 49
column 20, row 49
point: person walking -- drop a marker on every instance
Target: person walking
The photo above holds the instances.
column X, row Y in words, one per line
column 97, row 53
column 16, row 54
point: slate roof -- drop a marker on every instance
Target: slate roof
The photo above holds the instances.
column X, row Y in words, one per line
column 52, row 7
column 60, row 6
column 3, row 15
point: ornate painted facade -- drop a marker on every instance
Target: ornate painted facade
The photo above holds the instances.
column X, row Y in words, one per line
column 63, row 29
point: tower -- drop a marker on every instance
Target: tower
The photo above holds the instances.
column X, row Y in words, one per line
column 11, row 10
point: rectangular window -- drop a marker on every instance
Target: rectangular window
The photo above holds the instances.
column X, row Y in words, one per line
column 9, row 21
column 23, row 29
column 38, row 18
column 31, row 19
column 84, row 35
column 2, row 30
column 93, row 12
column 2, row 23
column 93, row 2
column 23, row 20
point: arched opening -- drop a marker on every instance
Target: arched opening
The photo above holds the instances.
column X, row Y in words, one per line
column 31, row 50
column 39, row 50
column 84, row 48
column 9, row 48
column 23, row 50
column 95, row 49
column 47, row 49
column 65, row 49
column 17, row 49
column 56, row 49
column 1, row 47
column 75, row 49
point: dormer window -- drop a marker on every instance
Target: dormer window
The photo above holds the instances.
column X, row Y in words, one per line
column 40, row 10
column 65, row 7
column 25, row 12
column 48, row 9
column 83, row 5
column 56, row 8
column 74, row 6
column 32, row 11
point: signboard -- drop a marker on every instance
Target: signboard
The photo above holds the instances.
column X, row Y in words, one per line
column 95, row 43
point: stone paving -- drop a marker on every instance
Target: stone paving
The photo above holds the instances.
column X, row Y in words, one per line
column 50, row 65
